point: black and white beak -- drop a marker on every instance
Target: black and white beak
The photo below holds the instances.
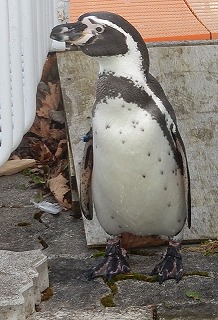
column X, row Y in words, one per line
column 74, row 33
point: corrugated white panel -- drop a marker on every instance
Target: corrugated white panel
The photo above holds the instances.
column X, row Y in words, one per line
column 24, row 45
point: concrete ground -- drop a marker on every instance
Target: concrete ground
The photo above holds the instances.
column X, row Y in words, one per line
column 72, row 296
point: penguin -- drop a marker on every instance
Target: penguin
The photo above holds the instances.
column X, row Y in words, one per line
column 135, row 168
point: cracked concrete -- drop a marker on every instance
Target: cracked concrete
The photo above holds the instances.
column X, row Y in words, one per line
column 69, row 259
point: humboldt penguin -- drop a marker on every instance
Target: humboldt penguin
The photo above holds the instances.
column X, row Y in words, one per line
column 135, row 170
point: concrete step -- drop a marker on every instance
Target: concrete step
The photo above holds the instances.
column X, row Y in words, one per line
column 23, row 276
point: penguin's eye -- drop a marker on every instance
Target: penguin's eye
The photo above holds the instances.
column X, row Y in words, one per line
column 99, row 29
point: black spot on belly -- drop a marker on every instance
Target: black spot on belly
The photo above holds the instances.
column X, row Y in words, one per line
column 159, row 159
column 165, row 188
column 107, row 126
column 149, row 154
column 144, row 176
column 123, row 141
column 169, row 204
column 142, row 129
column 161, row 172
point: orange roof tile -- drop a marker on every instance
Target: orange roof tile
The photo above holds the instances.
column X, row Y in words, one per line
column 207, row 13
column 156, row 20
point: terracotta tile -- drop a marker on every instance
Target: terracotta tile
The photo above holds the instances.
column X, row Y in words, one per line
column 156, row 20
column 207, row 13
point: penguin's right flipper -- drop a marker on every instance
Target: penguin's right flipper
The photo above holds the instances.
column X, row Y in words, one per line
column 86, row 177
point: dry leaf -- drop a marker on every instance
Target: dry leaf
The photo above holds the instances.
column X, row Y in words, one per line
column 59, row 167
column 44, row 111
column 57, row 134
column 59, row 188
column 62, row 147
column 41, row 151
column 50, row 61
column 55, row 95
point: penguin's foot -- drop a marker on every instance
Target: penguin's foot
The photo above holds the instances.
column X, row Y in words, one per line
column 171, row 266
column 114, row 262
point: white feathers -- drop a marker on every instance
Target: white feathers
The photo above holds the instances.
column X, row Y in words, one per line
column 137, row 183
column 48, row 207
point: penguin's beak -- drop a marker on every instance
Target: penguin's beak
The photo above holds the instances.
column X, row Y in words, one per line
column 74, row 33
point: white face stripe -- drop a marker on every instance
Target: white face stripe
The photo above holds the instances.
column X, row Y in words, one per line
column 88, row 33
column 128, row 65
column 129, row 62
column 91, row 26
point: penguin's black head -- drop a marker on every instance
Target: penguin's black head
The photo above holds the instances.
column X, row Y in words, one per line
column 100, row 34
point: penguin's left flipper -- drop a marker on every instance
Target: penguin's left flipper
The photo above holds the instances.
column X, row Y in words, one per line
column 114, row 262
column 171, row 266
column 86, row 176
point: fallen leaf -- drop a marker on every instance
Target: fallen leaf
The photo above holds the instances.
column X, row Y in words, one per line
column 44, row 111
column 57, row 134
column 41, row 128
column 49, row 64
column 59, row 188
column 62, row 147
column 41, row 151
column 55, row 95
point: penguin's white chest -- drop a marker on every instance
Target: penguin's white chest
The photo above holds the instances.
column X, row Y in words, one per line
column 136, row 184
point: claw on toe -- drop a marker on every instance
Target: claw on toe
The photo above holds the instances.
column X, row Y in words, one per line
column 114, row 262
column 171, row 266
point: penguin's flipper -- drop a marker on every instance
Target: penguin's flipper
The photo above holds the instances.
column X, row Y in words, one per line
column 185, row 171
column 114, row 262
column 86, row 176
column 171, row 266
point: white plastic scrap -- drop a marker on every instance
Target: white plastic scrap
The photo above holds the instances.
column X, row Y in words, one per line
column 48, row 207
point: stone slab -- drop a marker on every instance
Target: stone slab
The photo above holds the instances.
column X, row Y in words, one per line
column 76, row 296
column 23, row 276
column 69, row 259
column 101, row 314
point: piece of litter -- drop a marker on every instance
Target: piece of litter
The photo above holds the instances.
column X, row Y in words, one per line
column 48, row 207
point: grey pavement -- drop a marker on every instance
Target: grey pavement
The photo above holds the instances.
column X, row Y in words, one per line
column 62, row 239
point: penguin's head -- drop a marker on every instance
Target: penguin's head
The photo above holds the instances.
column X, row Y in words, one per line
column 100, row 34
